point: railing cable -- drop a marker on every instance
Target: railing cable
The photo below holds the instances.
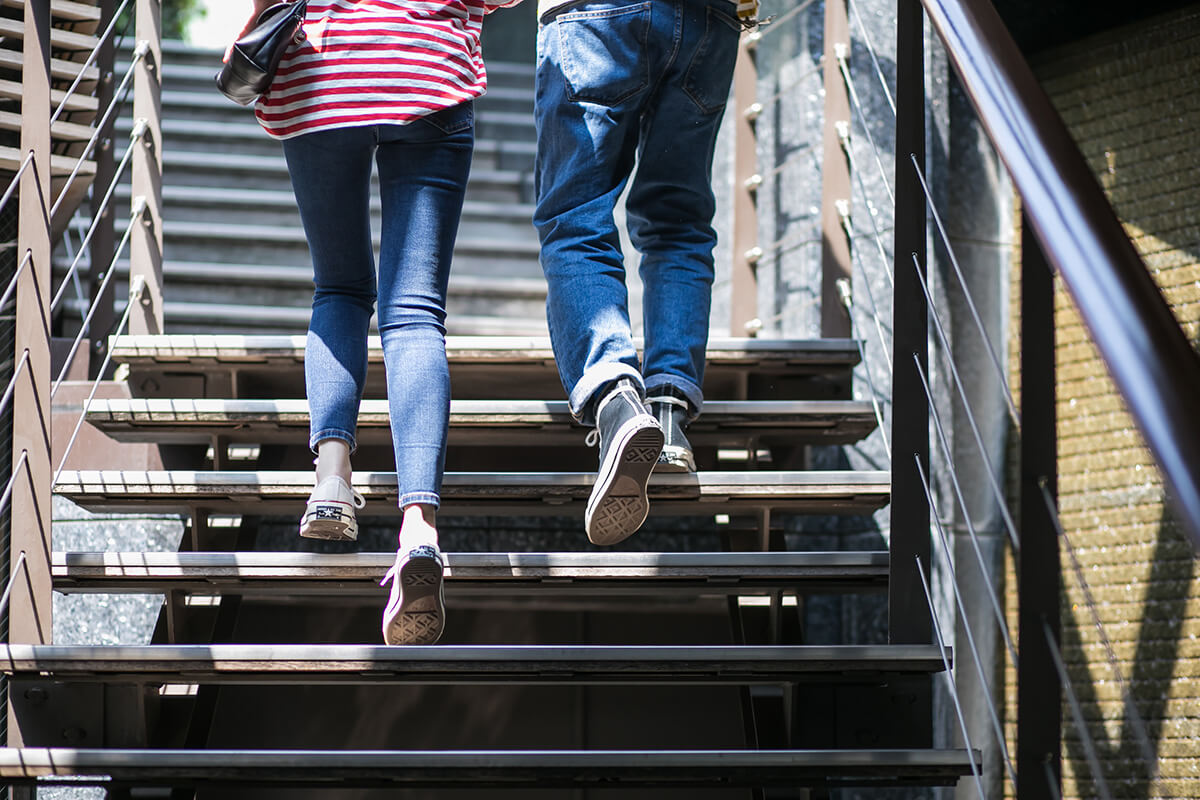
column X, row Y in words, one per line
column 839, row 51
column 847, row 297
column 135, row 294
column 89, row 61
column 1089, row 746
column 949, row 673
column 16, row 180
column 139, row 130
column 22, row 462
column 862, row 29
column 19, row 567
column 767, row 25
column 843, row 132
column 139, row 209
column 960, row 388
column 937, row 219
column 12, row 284
column 12, row 382
column 992, row 593
column 997, row 726
column 119, row 97
column 1141, row 734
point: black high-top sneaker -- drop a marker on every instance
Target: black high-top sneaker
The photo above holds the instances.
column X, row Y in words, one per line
column 630, row 441
column 672, row 414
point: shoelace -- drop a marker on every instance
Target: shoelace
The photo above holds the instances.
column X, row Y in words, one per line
column 359, row 500
column 392, row 574
column 593, row 437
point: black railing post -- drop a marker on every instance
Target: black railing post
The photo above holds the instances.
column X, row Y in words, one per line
column 1039, row 690
column 908, row 613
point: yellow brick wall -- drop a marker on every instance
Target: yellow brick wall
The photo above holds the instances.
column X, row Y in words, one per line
column 1132, row 99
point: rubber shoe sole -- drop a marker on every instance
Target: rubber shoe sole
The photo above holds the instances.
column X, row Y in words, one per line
column 329, row 520
column 420, row 616
column 618, row 505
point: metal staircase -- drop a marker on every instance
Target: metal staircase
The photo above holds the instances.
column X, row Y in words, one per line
column 649, row 640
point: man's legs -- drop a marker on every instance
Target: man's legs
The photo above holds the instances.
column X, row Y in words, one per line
column 595, row 63
column 670, row 210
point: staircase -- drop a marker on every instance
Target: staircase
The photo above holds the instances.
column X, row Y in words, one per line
column 681, row 664
column 235, row 254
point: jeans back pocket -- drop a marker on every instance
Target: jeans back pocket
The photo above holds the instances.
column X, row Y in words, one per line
column 602, row 52
column 710, row 71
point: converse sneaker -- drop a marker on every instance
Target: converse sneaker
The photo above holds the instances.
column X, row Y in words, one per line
column 415, row 611
column 330, row 511
column 630, row 441
column 671, row 413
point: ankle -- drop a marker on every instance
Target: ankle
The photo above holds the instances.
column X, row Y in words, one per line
column 333, row 459
column 419, row 527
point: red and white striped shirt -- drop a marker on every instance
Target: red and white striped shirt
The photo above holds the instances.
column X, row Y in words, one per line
column 369, row 62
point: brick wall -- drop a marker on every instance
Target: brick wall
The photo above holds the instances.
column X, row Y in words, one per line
column 1132, row 99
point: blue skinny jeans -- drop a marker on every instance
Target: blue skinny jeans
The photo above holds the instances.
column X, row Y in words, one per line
column 423, row 168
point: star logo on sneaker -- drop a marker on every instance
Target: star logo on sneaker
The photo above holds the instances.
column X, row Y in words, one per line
column 328, row 512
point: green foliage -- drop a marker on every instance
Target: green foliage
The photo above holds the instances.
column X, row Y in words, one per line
column 176, row 14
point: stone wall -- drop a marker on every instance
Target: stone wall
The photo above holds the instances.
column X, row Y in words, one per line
column 1132, row 99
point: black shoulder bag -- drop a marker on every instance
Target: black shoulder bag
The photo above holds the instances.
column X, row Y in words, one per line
column 254, row 57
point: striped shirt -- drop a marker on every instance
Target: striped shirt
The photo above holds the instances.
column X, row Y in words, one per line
column 369, row 62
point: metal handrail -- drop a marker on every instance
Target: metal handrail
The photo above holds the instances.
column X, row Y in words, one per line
column 1151, row 360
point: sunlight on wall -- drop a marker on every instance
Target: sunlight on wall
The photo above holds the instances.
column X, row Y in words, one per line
column 222, row 20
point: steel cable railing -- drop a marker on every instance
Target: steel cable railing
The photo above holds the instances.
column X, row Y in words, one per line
column 138, row 210
column 949, row 673
column 1141, row 734
column 961, row 390
column 973, row 535
column 1006, row 393
column 135, row 294
column 1089, row 746
column 843, row 131
column 136, row 136
column 91, row 59
column 16, row 180
column 847, row 296
column 119, row 97
column 866, row 38
column 840, row 53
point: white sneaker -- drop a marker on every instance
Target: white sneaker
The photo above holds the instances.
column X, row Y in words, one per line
column 330, row 511
column 416, row 610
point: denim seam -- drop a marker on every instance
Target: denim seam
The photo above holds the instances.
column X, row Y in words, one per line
column 565, row 52
column 697, row 57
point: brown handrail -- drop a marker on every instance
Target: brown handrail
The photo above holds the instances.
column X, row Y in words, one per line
column 1151, row 361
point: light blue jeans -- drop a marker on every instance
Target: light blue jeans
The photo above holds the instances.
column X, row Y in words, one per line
column 423, row 168
column 621, row 82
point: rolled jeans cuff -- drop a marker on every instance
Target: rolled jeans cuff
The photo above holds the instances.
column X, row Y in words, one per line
column 595, row 379
column 331, row 433
column 420, row 498
column 691, row 391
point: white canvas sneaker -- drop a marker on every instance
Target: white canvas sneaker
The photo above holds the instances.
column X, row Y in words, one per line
column 330, row 511
column 416, row 610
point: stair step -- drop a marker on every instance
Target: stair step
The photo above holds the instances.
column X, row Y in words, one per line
column 492, row 769
column 284, row 492
column 358, row 663
column 478, row 422
column 481, row 367
column 471, row 574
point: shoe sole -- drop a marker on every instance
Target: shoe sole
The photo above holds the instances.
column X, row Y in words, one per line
column 421, row 616
column 675, row 459
column 618, row 505
column 329, row 521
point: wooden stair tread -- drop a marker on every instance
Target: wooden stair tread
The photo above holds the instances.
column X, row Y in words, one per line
column 358, row 574
column 200, row 349
column 495, row 768
column 359, row 663
column 471, row 421
column 812, row 491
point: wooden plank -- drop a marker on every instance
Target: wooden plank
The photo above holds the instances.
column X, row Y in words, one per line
column 473, row 422
column 356, row 663
column 59, row 39
column 490, row 769
column 75, row 103
column 811, row 492
column 60, row 166
column 473, row 574
column 65, row 10
column 60, row 131
column 60, row 69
